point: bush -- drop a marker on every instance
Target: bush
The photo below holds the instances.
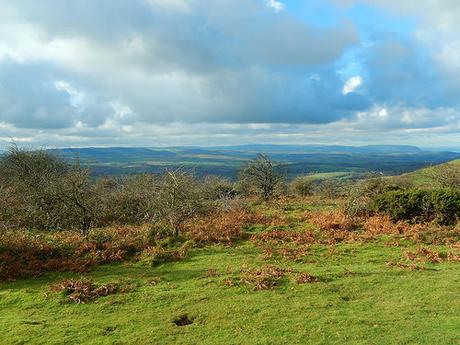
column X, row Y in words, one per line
column 302, row 185
column 178, row 198
column 129, row 200
column 217, row 188
column 330, row 188
column 44, row 191
column 361, row 194
column 442, row 206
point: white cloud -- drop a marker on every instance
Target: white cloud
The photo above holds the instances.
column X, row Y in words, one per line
column 276, row 5
column 352, row 84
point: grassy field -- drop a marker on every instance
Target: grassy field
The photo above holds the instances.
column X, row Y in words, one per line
column 357, row 298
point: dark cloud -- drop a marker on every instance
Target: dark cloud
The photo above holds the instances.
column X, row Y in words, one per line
column 112, row 67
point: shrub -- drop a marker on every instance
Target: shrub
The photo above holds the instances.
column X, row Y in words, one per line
column 45, row 191
column 361, row 194
column 217, row 188
column 330, row 188
column 417, row 205
column 302, row 185
column 444, row 175
column 178, row 198
column 129, row 200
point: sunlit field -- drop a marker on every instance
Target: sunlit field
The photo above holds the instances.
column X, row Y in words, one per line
column 294, row 271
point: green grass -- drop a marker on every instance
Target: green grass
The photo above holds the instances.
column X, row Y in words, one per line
column 358, row 301
column 421, row 178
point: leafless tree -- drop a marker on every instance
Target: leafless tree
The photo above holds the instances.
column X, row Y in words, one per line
column 260, row 174
column 178, row 198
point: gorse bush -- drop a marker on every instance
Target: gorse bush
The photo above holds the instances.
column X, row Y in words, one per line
column 442, row 206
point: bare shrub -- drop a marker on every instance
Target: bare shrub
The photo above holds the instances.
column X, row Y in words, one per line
column 128, row 200
column 330, row 188
column 46, row 191
column 178, row 198
column 217, row 188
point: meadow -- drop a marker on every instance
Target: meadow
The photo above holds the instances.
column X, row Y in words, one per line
column 171, row 259
column 377, row 284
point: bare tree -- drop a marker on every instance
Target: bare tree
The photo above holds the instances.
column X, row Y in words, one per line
column 78, row 196
column 261, row 175
column 178, row 198
column 45, row 191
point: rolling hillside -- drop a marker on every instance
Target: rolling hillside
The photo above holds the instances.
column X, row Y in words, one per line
column 292, row 160
column 421, row 178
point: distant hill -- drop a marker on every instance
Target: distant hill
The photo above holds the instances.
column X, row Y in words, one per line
column 267, row 148
column 333, row 160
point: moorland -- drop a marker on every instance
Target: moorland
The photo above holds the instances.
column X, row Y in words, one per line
column 175, row 258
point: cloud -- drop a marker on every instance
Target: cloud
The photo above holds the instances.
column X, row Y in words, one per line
column 352, row 84
column 168, row 66
column 276, row 5
column 186, row 69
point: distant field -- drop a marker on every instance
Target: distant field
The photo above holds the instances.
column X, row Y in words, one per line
column 291, row 161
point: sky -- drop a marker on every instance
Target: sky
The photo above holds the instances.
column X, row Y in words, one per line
column 226, row 72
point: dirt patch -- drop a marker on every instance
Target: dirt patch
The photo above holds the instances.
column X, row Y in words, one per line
column 183, row 320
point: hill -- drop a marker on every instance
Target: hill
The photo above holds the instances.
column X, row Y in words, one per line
column 422, row 177
column 291, row 159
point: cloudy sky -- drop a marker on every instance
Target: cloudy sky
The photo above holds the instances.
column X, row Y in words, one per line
column 215, row 72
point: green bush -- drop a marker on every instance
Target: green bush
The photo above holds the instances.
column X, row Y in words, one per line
column 442, row 206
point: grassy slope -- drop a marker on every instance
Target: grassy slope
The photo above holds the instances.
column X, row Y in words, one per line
column 421, row 178
column 358, row 301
